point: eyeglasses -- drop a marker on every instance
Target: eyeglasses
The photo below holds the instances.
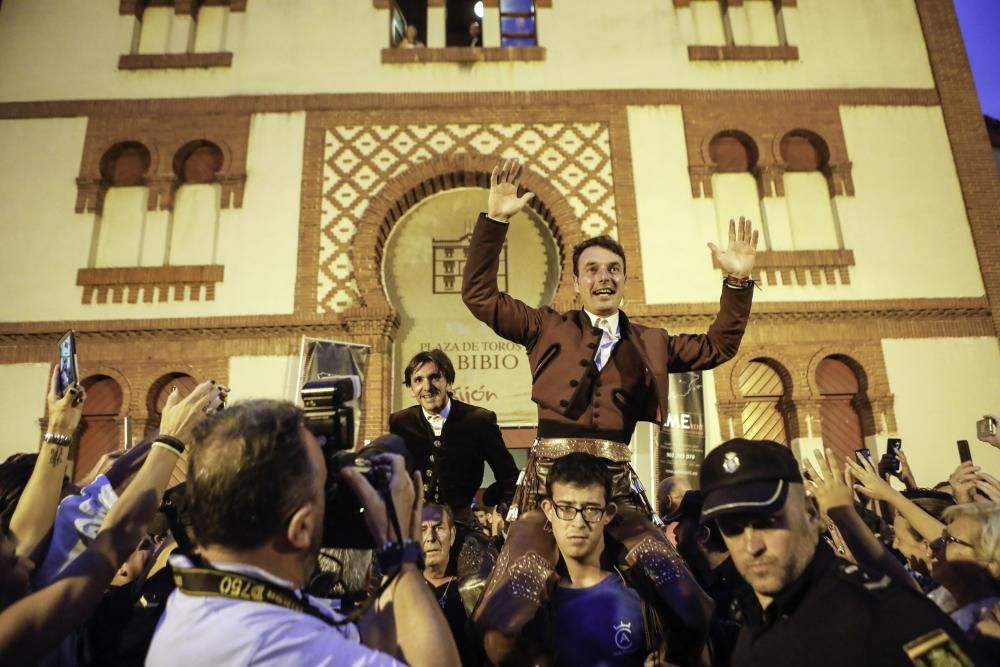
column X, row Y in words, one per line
column 941, row 543
column 590, row 512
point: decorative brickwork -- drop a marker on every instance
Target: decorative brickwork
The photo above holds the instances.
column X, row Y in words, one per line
column 135, row 61
column 360, row 160
column 767, row 125
column 714, row 53
column 464, row 54
column 163, row 136
column 815, row 266
column 127, row 284
column 189, row 7
column 968, row 138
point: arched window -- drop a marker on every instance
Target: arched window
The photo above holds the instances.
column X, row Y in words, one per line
column 195, row 217
column 100, row 431
column 157, row 397
column 734, row 188
column 811, row 215
column 765, row 412
column 840, row 392
column 121, row 226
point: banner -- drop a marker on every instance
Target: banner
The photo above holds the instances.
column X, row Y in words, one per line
column 424, row 260
column 682, row 436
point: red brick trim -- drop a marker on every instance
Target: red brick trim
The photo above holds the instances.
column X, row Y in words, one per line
column 477, row 100
column 716, row 53
column 816, row 264
column 138, row 61
column 968, row 137
column 191, row 7
column 164, row 135
column 128, row 283
column 463, row 54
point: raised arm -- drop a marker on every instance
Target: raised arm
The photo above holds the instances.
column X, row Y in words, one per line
column 692, row 352
column 36, row 510
column 178, row 419
column 513, row 319
column 873, row 486
column 836, row 500
column 31, row 627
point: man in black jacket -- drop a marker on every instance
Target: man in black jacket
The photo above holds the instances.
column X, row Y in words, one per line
column 450, row 441
column 806, row 606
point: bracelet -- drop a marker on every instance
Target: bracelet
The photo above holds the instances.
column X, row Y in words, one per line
column 733, row 282
column 57, row 439
column 175, row 443
column 392, row 555
column 163, row 445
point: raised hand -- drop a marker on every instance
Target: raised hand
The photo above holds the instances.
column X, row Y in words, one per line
column 181, row 414
column 963, row 482
column 868, row 480
column 827, row 484
column 741, row 255
column 503, row 201
column 65, row 412
column 995, row 438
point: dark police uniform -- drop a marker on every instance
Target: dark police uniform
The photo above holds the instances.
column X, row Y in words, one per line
column 842, row 615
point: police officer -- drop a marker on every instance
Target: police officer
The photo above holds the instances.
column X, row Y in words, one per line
column 806, row 606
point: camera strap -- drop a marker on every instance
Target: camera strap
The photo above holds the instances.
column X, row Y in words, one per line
column 210, row 582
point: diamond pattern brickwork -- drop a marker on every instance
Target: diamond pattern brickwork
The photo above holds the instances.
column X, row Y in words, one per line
column 358, row 161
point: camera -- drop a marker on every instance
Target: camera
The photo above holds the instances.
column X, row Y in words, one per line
column 344, row 524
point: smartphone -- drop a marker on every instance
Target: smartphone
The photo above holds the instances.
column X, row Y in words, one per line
column 865, row 452
column 963, row 451
column 69, row 373
column 986, row 427
column 893, row 447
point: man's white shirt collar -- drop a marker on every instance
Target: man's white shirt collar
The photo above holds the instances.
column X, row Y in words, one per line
column 443, row 414
column 612, row 320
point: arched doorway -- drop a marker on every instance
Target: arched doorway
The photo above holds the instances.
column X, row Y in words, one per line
column 100, row 431
column 422, row 267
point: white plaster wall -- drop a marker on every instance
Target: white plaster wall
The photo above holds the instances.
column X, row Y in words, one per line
column 263, row 377
column 942, row 387
column 906, row 224
column 45, row 242
column 303, row 46
column 23, row 388
column 674, row 228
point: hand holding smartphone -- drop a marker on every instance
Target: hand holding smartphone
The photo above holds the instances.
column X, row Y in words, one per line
column 69, row 373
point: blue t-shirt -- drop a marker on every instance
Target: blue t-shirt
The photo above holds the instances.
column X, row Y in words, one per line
column 600, row 625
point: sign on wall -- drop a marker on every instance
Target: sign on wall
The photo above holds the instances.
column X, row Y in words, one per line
column 422, row 270
column 682, row 436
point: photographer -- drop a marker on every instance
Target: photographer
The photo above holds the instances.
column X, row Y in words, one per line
column 256, row 481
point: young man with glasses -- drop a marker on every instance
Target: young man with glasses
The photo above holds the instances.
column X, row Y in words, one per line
column 807, row 606
column 595, row 618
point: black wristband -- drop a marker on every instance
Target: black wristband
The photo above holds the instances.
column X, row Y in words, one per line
column 732, row 282
column 392, row 555
column 174, row 443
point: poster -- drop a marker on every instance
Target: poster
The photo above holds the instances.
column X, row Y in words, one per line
column 682, row 437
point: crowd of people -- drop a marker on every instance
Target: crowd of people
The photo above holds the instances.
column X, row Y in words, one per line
column 277, row 550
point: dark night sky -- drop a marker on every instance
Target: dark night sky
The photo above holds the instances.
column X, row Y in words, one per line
column 980, row 22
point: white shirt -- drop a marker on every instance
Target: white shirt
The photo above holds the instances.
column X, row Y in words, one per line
column 437, row 421
column 220, row 632
column 608, row 340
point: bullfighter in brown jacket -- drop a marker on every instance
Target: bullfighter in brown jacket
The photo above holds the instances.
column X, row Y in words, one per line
column 595, row 374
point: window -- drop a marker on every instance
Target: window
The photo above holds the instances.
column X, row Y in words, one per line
column 517, row 23
column 195, row 219
column 735, row 189
column 738, row 29
column 178, row 33
column 841, row 395
column 123, row 223
column 767, row 413
column 812, row 218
